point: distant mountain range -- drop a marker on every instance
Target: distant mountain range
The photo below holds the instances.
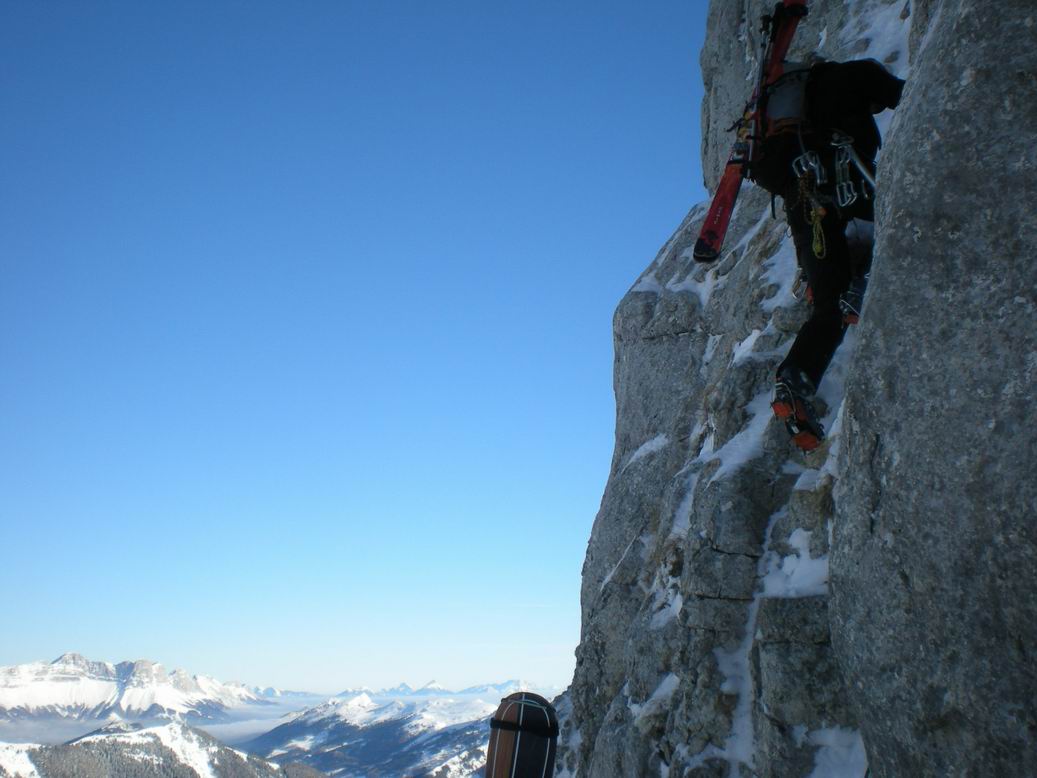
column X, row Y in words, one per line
column 430, row 731
column 359, row 736
column 397, row 731
column 74, row 687
column 433, row 689
column 136, row 751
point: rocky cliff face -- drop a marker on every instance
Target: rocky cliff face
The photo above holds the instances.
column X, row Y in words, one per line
column 713, row 642
column 934, row 563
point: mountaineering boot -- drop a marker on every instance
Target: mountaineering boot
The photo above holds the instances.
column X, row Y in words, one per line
column 852, row 300
column 791, row 404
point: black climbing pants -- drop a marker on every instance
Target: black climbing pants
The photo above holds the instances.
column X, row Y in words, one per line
column 828, row 276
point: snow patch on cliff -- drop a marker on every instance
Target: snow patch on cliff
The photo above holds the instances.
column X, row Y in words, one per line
column 745, row 445
column 781, row 270
column 615, row 567
column 648, row 283
column 886, row 32
column 840, row 753
column 798, row 574
column 658, row 443
column 659, row 699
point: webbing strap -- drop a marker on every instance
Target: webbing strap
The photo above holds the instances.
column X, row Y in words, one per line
column 533, row 729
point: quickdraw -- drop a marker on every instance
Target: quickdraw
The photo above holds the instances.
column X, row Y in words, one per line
column 845, row 190
column 809, row 164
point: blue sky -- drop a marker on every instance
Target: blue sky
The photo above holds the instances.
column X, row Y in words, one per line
column 305, row 324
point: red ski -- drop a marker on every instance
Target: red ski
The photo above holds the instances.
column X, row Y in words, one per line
column 779, row 28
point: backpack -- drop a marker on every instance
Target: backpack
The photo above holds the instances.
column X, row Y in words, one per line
column 783, row 109
column 785, row 101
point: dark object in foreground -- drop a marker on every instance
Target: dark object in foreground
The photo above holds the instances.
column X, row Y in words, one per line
column 523, row 738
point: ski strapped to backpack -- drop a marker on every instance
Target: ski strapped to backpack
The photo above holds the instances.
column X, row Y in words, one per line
column 778, row 28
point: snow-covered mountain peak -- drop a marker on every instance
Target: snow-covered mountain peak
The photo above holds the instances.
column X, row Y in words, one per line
column 344, row 708
column 71, row 659
column 403, row 690
column 434, row 713
column 360, row 701
column 354, row 692
column 123, row 730
column 137, row 749
column 115, row 727
column 75, row 664
column 184, row 681
column 362, row 710
column 439, row 714
column 506, row 688
column 74, row 687
column 143, row 672
column 192, row 748
column 436, row 689
column 430, row 734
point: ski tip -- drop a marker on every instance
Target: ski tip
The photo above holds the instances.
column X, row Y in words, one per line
column 704, row 252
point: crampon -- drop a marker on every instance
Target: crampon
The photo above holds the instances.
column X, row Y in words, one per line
column 799, row 416
column 852, row 300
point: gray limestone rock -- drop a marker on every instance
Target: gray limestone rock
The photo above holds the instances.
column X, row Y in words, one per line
column 935, row 553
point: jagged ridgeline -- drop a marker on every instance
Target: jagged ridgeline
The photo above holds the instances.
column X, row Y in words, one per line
column 750, row 610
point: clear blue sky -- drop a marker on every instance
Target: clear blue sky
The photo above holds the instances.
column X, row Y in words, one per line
column 305, row 324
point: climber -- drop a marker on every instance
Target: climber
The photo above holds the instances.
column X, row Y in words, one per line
column 818, row 151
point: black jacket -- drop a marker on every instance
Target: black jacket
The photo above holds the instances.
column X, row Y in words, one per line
column 839, row 96
column 844, row 95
